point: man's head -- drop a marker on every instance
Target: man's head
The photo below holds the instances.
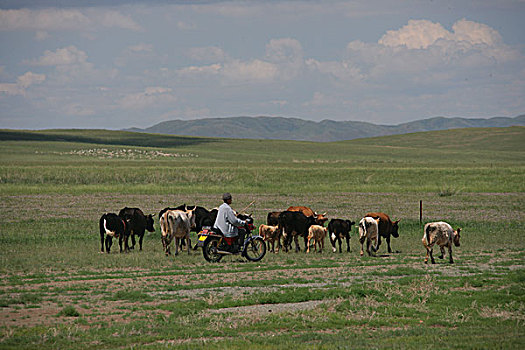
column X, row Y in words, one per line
column 227, row 198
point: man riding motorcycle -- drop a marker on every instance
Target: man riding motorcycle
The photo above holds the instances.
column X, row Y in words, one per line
column 227, row 223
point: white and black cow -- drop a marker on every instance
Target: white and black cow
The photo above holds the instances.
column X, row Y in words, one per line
column 339, row 229
column 111, row 225
column 369, row 232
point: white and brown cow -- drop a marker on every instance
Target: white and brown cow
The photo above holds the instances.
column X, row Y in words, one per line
column 270, row 234
column 369, row 232
column 442, row 234
column 317, row 233
column 176, row 224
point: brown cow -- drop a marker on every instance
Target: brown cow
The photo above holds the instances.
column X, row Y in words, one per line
column 320, row 219
column 316, row 233
column 387, row 227
column 270, row 234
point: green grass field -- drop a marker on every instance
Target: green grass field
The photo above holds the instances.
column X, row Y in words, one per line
column 58, row 291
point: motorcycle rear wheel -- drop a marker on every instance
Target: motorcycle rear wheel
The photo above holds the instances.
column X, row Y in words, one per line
column 255, row 249
column 209, row 250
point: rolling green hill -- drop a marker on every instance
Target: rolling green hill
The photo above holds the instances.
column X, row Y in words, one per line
column 470, row 160
column 278, row 128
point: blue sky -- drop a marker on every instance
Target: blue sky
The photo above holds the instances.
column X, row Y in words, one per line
column 83, row 64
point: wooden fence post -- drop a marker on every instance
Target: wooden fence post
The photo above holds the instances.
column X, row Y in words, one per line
column 420, row 212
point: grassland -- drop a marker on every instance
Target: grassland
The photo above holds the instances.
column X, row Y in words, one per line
column 57, row 291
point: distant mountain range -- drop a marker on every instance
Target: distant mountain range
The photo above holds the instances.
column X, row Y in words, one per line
column 280, row 128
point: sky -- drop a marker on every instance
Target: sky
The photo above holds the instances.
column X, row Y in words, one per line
column 135, row 63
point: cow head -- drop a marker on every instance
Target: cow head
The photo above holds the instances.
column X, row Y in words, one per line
column 395, row 228
column 457, row 237
column 192, row 217
column 320, row 219
column 149, row 223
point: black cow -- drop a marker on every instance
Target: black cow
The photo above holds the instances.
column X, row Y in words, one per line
column 339, row 229
column 111, row 225
column 273, row 218
column 136, row 224
column 294, row 224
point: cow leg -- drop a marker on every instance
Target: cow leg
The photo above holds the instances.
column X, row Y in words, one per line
column 140, row 241
column 189, row 244
column 305, row 242
column 368, row 247
column 296, row 240
column 109, row 241
column 426, row 257
column 388, row 244
column 442, row 252
column 348, row 243
column 308, row 246
column 362, row 248
column 132, row 233
column 120, row 239
column 177, row 242
column 378, row 241
column 450, row 254
column 102, row 242
column 431, row 257
column 340, row 241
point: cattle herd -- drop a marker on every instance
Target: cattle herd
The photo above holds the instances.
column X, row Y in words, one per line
column 280, row 230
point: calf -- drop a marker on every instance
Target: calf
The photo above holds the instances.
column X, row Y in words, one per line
column 136, row 224
column 270, row 234
column 339, row 229
column 442, row 234
column 369, row 231
column 176, row 224
column 316, row 233
column 111, row 225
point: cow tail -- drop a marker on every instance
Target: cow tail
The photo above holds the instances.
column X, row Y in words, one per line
column 427, row 234
column 102, row 224
column 163, row 224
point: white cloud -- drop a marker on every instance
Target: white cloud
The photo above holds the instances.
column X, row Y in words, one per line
column 255, row 71
column 22, row 83
column 208, row 53
column 66, row 56
column 53, row 19
column 420, row 34
column 30, row 78
column 191, row 71
column 151, row 96
column 475, row 33
column 417, row 34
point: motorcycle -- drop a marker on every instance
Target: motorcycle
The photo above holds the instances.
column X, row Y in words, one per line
column 215, row 245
